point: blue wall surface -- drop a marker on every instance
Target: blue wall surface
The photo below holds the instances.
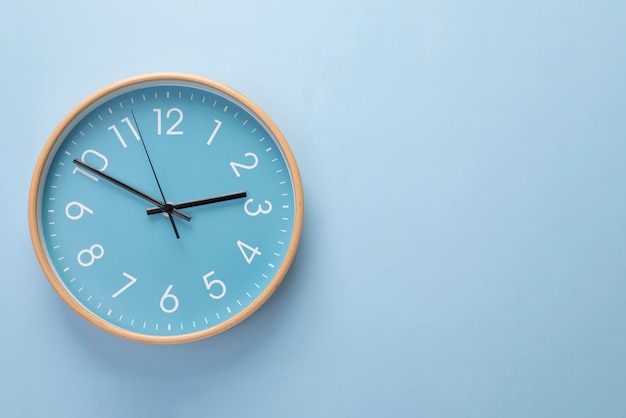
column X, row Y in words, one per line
column 464, row 244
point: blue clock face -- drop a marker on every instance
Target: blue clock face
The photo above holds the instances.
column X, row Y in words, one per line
column 166, row 208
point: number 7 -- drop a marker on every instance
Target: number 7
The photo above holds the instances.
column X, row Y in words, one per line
column 127, row 285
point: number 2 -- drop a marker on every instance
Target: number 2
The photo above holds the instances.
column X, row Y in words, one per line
column 235, row 165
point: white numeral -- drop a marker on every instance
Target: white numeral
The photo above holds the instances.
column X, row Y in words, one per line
column 171, row 130
column 171, row 297
column 127, row 285
column 259, row 210
column 119, row 135
column 235, row 165
column 103, row 163
column 95, row 252
column 213, row 282
column 245, row 248
column 217, row 128
column 81, row 208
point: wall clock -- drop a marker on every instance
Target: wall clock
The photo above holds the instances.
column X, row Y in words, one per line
column 166, row 208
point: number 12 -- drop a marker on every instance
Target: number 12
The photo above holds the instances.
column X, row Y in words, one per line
column 171, row 130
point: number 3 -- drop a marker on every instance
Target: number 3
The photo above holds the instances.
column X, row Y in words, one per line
column 259, row 210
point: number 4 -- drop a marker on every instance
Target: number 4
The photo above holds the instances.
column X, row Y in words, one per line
column 247, row 251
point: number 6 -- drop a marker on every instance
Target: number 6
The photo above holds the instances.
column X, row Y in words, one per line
column 167, row 295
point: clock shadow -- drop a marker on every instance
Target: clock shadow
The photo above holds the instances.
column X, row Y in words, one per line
column 214, row 356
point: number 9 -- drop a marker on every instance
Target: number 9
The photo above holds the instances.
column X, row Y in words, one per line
column 82, row 209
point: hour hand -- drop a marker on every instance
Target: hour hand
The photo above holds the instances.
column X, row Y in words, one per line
column 162, row 206
column 199, row 202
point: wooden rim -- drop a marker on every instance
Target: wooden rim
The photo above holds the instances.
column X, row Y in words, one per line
column 48, row 153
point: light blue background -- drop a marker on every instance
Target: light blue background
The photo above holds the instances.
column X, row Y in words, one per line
column 463, row 246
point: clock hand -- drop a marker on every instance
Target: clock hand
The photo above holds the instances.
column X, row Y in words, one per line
column 131, row 189
column 167, row 208
column 199, row 202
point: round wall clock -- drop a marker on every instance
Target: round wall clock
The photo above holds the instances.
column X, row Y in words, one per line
column 166, row 208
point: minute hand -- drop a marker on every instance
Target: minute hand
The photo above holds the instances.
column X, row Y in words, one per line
column 199, row 202
column 162, row 207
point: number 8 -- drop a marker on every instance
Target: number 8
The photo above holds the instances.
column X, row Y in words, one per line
column 92, row 255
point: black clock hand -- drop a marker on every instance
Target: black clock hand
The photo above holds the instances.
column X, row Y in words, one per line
column 166, row 207
column 200, row 202
column 131, row 189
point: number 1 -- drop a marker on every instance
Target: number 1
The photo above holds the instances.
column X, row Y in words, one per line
column 217, row 128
